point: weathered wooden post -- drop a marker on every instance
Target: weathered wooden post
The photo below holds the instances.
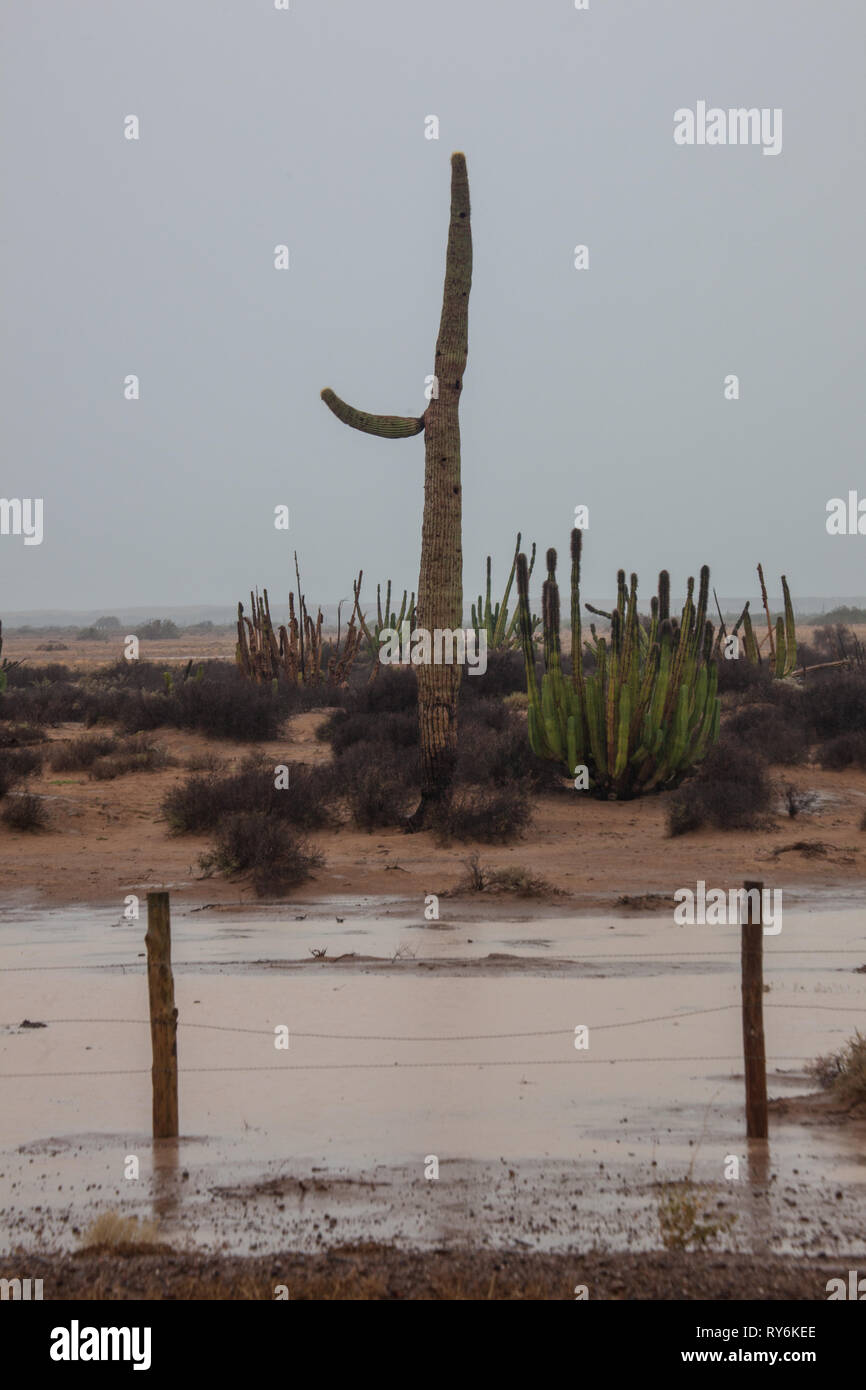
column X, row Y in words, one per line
column 163, row 1016
column 754, row 1057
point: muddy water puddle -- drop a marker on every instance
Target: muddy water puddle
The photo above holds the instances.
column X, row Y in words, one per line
column 410, row 1041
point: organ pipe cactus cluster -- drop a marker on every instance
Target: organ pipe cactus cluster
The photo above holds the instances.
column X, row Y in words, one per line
column 296, row 651
column 386, row 618
column 782, row 643
column 649, row 711
column 494, row 620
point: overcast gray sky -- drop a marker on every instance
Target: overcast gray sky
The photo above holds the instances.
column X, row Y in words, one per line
column 307, row 127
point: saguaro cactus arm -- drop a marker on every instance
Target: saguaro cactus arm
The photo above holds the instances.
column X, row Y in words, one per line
column 386, row 426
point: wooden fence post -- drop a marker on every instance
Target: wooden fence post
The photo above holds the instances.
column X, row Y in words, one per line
column 163, row 1016
column 754, row 1057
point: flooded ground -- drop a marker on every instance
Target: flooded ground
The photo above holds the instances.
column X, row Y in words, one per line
column 411, row 1041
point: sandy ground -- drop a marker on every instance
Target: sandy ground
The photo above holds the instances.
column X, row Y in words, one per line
column 106, row 840
column 383, row 1272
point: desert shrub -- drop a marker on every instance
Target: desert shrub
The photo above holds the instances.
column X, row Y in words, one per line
column 204, row 762
column 111, row 1231
column 493, row 747
column 25, row 812
column 199, row 803
column 253, row 842
column 343, row 730
column 511, row 879
column 808, row 655
column 129, row 675
column 490, row 815
column 18, row 763
column 777, row 732
column 739, row 675
column 846, row 750
column 80, row 754
column 20, row 735
column 189, row 807
column 730, row 791
column 22, row 677
column 378, row 787
column 505, row 674
column 134, row 696
column 688, row 1216
column 835, row 703
column 393, row 691
column 833, row 641
column 136, row 754
column 225, row 707
column 843, row 1072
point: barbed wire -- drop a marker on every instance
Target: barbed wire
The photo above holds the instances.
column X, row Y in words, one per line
column 453, row 1037
column 390, row 1066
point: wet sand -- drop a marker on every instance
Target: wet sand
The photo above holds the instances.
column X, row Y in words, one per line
column 541, row 1147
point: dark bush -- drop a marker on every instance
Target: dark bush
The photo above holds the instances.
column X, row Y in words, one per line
column 226, row 708
column 80, row 754
column 493, row 748
column 730, row 791
column 342, row 730
column 253, row 842
column 738, row 674
column 505, row 674
column 777, row 732
column 20, row 735
column 846, row 750
column 16, row 764
column 21, row 762
column 835, row 703
column 200, row 802
column 20, row 677
column 393, row 691
column 379, row 783
column 834, row 642
column 492, row 815
column 25, row 812
column 136, row 754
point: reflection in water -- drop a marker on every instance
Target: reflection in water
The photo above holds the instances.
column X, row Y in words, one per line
column 758, row 1164
column 166, row 1181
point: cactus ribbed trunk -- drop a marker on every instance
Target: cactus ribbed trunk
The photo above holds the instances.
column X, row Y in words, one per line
column 440, row 584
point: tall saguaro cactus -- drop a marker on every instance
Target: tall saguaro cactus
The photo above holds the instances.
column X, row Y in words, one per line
column 440, row 583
